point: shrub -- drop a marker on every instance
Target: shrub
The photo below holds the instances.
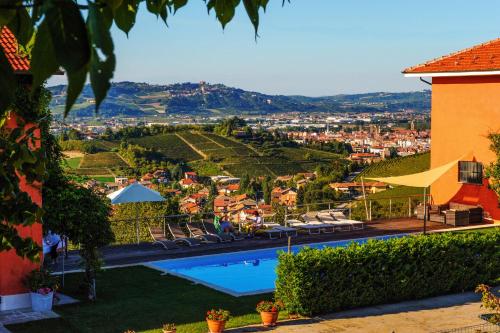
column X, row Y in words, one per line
column 320, row 281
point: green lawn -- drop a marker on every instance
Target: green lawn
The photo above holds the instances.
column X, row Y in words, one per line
column 141, row 299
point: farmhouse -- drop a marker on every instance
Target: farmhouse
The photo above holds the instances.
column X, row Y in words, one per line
column 465, row 110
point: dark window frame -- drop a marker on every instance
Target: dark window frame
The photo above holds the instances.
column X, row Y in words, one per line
column 470, row 172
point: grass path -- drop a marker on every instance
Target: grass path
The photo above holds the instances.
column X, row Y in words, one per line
column 193, row 147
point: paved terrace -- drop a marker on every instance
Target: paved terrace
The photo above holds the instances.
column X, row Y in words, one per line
column 119, row 255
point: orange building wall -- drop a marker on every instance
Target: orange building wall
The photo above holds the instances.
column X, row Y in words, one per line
column 464, row 111
column 13, row 268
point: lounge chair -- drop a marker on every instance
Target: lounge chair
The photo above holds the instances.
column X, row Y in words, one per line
column 355, row 225
column 160, row 239
column 288, row 231
column 324, row 227
column 272, row 233
column 196, row 232
column 338, row 224
column 179, row 236
column 210, row 230
column 312, row 229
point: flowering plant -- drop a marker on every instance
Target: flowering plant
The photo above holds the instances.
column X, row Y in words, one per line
column 270, row 306
column 41, row 281
column 218, row 315
column 169, row 327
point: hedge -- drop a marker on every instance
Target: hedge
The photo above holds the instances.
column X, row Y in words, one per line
column 320, row 281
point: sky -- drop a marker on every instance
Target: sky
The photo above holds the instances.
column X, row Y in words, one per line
column 307, row 47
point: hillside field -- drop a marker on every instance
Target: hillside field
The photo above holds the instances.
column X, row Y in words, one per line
column 397, row 167
column 210, row 154
column 169, row 145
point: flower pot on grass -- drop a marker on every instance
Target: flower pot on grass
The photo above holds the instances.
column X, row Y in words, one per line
column 269, row 319
column 216, row 320
column 269, row 312
column 216, row 326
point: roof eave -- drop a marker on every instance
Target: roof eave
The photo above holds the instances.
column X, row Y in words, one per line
column 451, row 74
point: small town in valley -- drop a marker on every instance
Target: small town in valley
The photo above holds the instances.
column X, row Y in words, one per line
column 340, row 177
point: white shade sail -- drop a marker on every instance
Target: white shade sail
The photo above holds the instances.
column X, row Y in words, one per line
column 421, row 179
column 134, row 193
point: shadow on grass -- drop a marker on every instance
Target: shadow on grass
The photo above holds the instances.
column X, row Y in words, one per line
column 141, row 299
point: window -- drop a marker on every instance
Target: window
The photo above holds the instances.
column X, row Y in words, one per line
column 470, row 172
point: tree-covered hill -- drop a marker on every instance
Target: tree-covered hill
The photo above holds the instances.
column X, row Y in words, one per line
column 135, row 99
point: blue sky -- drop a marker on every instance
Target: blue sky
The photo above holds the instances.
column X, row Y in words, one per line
column 308, row 47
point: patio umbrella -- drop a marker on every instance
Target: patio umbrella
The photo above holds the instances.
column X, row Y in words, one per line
column 135, row 193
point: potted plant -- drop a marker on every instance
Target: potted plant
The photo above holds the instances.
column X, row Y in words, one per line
column 216, row 320
column 169, row 328
column 269, row 312
column 42, row 286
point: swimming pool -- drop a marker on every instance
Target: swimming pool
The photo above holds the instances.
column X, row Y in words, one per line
column 239, row 273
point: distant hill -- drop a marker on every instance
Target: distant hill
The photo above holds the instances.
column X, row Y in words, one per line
column 131, row 99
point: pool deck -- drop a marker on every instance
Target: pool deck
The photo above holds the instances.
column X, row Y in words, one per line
column 128, row 255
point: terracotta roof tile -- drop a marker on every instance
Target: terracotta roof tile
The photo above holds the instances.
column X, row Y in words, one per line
column 8, row 42
column 482, row 57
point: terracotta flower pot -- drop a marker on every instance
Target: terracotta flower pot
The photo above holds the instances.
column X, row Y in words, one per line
column 269, row 318
column 215, row 326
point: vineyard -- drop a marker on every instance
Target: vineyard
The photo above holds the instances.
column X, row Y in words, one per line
column 398, row 166
column 102, row 160
column 206, row 153
column 169, row 145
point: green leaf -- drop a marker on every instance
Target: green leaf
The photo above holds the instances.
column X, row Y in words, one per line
column 69, row 35
column 101, row 70
column 179, row 4
column 71, row 45
column 21, row 26
column 252, row 9
column 155, row 6
column 43, row 57
column 125, row 15
column 113, row 4
column 76, row 81
column 7, row 83
column 224, row 9
column 6, row 14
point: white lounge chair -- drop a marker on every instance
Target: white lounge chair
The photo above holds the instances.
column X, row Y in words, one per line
column 356, row 225
column 325, row 227
column 312, row 229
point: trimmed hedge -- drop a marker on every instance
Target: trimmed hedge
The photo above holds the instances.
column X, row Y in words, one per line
column 320, row 281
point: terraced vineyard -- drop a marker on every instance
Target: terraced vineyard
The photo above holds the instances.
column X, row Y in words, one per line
column 397, row 167
column 170, row 146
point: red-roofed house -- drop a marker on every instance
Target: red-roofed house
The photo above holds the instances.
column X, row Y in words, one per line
column 20, row 64
column 465, row 110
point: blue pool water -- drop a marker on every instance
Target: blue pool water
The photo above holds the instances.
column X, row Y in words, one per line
column 239, row 273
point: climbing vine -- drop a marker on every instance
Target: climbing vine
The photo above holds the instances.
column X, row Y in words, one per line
column 22, row 158
column 493, row 171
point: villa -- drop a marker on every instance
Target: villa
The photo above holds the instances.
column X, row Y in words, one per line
column 465, row 110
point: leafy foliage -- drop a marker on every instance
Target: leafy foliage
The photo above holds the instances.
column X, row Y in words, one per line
column 82, row 215
column 77, row 38
column 493, row 171
column 19, row 160
column 377, row 272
